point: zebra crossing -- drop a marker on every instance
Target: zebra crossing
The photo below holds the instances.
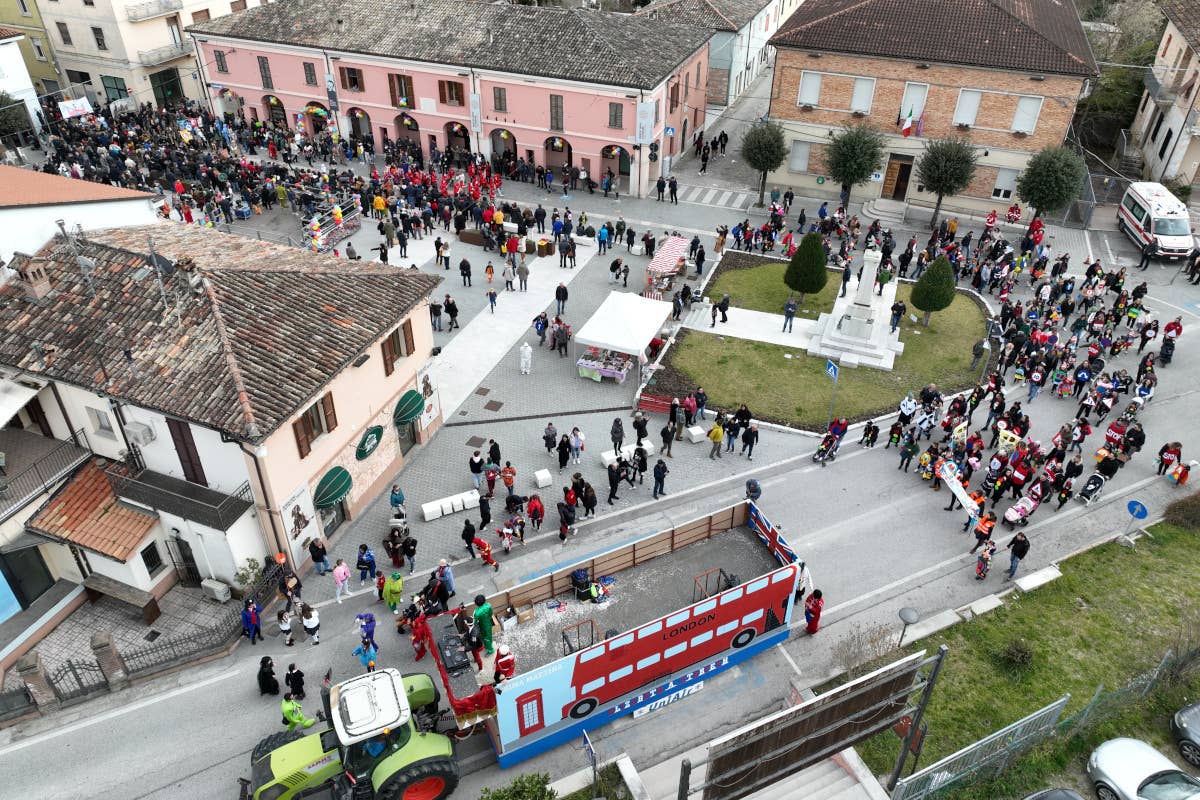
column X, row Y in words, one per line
column 708, row 196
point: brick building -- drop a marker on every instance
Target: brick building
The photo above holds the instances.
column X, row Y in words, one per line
column 1005, row 75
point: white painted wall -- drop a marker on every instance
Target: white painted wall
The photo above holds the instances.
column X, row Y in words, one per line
column 77, row 401
column 134, row 573
column 219, row 554
column 14, row 77
column 223, row 462
column 28, row 228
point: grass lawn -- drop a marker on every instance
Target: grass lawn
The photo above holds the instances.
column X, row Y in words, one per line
column 795, row 391
column 756, row 282
column 1111, row 617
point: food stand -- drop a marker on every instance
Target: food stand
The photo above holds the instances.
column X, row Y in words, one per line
column 669, row 262
column 615, row 339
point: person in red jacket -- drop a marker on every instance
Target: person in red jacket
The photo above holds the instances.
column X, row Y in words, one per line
column 485, row 552
column 1168, row 456
column 536, row 511
column 506, row 664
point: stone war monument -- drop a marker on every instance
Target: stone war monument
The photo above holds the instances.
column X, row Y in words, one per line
column 856, row 331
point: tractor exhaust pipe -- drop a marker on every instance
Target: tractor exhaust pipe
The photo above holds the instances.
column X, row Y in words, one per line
column 325, row 701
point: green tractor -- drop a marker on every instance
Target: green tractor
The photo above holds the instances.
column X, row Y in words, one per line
column 374, row 750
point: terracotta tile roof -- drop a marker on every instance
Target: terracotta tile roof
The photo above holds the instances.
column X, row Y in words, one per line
column 1186, row 16
column 573, row 43
column 86, row 512
column 1040, row 36
column 719, row 15
column 10, row 33
column 274, row 321
column 29, row 187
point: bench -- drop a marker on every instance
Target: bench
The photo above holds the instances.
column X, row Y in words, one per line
column 450, row 505
column 696, row 434
column 97, row 586
column 654, row 403
column 610, row 456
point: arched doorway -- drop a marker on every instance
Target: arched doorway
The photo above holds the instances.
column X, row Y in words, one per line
column 360, row 123
column 504, row 142
column 276, row 114
column 616, row 158
column 458, row 138
column 558, row 152
column 407, row 130
column 316, row 118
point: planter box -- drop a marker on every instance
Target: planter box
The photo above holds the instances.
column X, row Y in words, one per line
column 471, row 237
column 546, row 249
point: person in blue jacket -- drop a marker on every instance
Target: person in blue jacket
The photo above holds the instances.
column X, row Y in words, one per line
column 252, row 621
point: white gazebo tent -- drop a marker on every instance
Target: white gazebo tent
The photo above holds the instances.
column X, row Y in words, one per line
column 624, row 323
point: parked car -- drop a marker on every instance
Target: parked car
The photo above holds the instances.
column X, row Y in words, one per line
column 1128, row 769
column 1055, row 794
column 1185, row 726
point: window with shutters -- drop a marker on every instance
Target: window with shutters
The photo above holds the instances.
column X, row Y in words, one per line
column 1006, row 183
column 556, row 112
column 810, row 89
column 499, row 99
column 219, row 59
column 616, row 115
column 687, row 86
column 352, row 79
column 63, row 33
column 798, row 158
column 200, row 16
column 968, row 106
column 236, row 6
column 673, row 103
column 1026, row 116
column 310, row 73
column 316, row 421
column 914, row 100
column 863, row 96
column 98, row 35
column 400, row 87
column 264, row 72
column 450, row 93
column 398, row 344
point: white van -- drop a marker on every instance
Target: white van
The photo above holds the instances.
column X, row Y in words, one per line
column 1148, row 212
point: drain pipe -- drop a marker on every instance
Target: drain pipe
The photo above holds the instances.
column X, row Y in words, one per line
column 280, row 544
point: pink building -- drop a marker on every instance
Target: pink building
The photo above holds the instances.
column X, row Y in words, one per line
column 592, row 89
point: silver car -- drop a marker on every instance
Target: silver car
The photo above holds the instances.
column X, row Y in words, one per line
column 1185, row 726
column 1128, row 769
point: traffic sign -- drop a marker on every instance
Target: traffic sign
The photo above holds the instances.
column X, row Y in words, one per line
column 831, row 369
column 669, row 131
column 1137, row 510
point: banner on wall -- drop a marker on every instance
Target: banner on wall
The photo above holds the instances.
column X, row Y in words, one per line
column 645, row 123
column 433, row 403
column 300, row 522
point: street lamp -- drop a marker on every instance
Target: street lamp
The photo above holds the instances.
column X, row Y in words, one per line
column 909, row 616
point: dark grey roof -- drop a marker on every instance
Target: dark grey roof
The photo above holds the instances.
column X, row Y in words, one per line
column 1022, row 35
column 277, row 322
column 720, row 15
column 571, row 43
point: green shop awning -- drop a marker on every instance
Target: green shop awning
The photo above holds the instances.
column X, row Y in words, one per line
column 408, row 407
column 332, row 488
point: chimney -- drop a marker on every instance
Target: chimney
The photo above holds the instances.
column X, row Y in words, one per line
column 34, row 278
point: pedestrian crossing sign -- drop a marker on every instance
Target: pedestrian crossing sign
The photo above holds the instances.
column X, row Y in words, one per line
column 831, row 369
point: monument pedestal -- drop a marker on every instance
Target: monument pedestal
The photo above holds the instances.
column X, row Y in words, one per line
column 856, row 332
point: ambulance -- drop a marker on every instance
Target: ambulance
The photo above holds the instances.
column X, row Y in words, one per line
column 1149, row 212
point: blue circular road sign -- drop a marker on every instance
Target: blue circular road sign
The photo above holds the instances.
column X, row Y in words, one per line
column 1137, row 510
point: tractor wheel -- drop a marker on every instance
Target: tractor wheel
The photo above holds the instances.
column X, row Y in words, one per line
column 432, row 779
column 273, row 742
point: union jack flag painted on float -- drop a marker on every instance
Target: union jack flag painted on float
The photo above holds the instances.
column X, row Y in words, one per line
column 772, row 538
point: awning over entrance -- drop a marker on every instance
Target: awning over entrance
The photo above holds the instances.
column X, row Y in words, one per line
column 25, row 540
column 408, row 407
column 13, row 397
column 332, row 488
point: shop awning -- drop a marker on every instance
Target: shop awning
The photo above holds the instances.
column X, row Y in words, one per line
column 332, row 488
column 13, row 397
column 625, row 323
column 408, row 407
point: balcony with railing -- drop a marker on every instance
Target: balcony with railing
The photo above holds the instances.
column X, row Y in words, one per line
column 1162, row 84
column 33, row 464
column 161, row 55
column 182, row 498
column 136, row 12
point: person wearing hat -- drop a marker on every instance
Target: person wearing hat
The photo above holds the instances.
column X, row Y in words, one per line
column 393, row 591
column 446, row 575
column 506, row 664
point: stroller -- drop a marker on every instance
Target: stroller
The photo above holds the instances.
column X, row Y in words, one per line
column 1020, row 512
column 1092, row 488
column 827, row 450
column 1166, row 351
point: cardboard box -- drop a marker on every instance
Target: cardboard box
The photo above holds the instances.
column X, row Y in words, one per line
column 525, row 613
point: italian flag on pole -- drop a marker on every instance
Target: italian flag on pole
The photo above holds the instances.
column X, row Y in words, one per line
column 906, row 128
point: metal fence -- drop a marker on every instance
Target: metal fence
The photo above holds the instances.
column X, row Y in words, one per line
column 984, row 759
column 1104, row 704
column 76, row 679
column 15, row 703
column 17, row 489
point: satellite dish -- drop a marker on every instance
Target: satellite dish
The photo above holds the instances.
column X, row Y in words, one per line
column 164, row 265
column 86, row 265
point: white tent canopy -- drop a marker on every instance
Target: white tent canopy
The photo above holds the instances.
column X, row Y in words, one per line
column 625, row 323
